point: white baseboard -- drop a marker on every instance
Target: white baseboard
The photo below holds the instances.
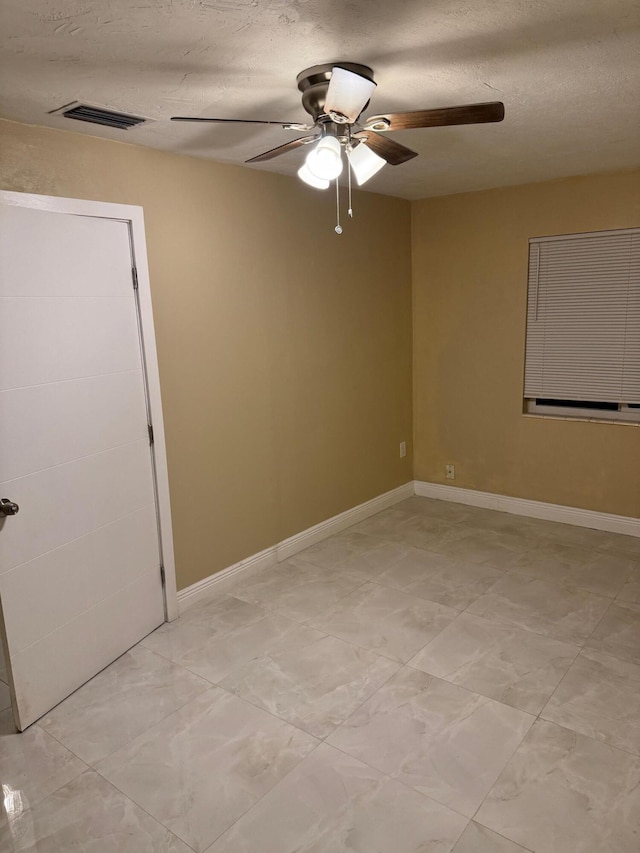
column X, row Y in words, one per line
column 288, row 547
column 535, row 509
column 191, row 595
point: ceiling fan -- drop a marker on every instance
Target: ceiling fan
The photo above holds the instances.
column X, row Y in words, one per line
column 335, row 96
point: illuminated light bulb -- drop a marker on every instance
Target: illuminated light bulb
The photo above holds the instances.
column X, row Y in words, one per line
column 309, row 178
column 365, row 163
column 325, row 161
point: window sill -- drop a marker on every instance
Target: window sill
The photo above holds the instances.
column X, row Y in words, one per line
column 581, row 418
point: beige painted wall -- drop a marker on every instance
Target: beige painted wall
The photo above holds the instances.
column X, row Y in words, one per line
column 284, row 350
column 470, row 258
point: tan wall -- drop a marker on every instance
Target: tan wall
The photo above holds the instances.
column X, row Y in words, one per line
column 470, row 258
column 284, row 350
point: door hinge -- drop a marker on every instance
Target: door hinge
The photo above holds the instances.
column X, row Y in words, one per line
column 150, row 431
column 162, row 578
column 134, row 275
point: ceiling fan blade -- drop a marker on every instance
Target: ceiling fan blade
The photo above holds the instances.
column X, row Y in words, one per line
column 287, row 125
column 348, row 94
column 469, row 114
column 282, row 149
column 387, row 148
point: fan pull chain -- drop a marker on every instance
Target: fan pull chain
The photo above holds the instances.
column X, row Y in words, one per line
column 338, row 228
column 350, row 210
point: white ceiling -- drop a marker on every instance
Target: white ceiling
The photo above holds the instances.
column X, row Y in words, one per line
column 568, row 72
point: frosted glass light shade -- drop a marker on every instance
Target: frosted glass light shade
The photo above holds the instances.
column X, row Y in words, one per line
column 365, row 163
column 309, row 178
column 348, row 94
column 325, row 160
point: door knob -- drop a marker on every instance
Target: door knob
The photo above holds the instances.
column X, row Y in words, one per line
column 8, row 507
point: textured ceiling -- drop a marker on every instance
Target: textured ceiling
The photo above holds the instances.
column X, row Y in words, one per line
column 568, row 73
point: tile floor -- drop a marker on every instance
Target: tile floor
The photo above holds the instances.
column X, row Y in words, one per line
column 437, row 679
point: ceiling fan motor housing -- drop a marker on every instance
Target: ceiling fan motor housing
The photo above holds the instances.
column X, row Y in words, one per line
column 313, row 83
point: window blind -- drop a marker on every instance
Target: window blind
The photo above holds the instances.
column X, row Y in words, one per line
column 583, row 317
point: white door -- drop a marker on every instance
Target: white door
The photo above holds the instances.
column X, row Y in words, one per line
column 80, row 576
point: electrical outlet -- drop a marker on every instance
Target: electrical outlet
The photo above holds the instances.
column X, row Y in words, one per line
column 403, row 449
column 451, row 472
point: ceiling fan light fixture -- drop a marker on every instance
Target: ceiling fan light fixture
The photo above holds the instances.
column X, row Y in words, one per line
column 325, row 160
column 348, row 94
column 309, row 178
column 365, row 163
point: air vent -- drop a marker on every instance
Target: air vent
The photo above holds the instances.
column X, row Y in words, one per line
column 98, row 115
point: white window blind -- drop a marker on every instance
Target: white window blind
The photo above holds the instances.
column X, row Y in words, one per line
column 583, row 318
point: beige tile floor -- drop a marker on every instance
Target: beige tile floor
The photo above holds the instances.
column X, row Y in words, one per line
column 437, row 679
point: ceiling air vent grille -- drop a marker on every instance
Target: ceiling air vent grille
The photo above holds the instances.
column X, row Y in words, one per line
column 98, row 115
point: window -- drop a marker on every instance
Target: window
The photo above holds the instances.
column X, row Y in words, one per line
column 583, row 326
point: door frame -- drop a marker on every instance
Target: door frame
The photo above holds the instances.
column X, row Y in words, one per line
column 134, row 217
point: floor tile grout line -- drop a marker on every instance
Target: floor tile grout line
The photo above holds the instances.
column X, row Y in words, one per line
column 294, row 618
column 493, row 698
column 504, row 767
column 142, row 808
column 376, row 651
column 420, row 597
column 92, row 765
column 610, row 655
column 501, row 835
column 595, row 627
column 356, row 645
column 297, row 725
column 567, row 584
column 554, row 691
column 471, row 691
column 562, row 583
column 611, row 746
column 400, row 782
column 215, row 687
column 266, row 793
column 139, row 644
column 397, row 781
column 540, row 719
column 544, row 719
column 186, row 618
column 85, row 768
column 530, row 630
column 364, row 701
column 58, row 741
column 506, row 624
column 89, row 769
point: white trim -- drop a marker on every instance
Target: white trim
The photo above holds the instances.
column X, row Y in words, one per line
column 534, row 509
column 622, row 415
column 133, row 215
column 288, row 547
column 200, row 590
